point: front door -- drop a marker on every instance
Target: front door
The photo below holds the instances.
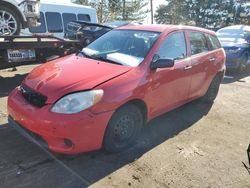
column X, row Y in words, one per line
column 170, row 86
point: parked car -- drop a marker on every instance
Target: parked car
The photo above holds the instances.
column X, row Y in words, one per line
column 236, row 42
column 103, row 96
column 55, row 16
column 119, row 23
column 18, row 14
column 87, row 32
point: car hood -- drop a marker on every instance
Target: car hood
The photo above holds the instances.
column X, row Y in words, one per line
column 69, row 74
column 233, row 42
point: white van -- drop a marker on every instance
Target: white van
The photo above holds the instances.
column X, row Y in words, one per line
column 54, row 17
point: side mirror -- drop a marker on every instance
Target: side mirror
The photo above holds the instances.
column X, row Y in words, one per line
column 162, row 63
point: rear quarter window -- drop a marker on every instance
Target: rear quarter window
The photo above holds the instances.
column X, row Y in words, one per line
column 198, row 42
column 215, row 43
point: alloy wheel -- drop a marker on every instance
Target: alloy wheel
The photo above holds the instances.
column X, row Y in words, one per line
column 8, row 23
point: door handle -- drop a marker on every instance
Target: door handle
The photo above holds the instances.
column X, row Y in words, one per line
column 188, row 67
column 212, row 59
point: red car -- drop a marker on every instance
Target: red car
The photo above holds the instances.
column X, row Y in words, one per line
column 104, row 95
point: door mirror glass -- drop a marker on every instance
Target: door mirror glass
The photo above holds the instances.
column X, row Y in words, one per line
column 162, row 63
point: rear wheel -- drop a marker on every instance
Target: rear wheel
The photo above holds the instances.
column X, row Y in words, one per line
column 123, row 128
column 10, row 23
column 212, row 90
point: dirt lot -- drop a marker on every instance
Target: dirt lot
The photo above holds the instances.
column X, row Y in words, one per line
column 197, row 145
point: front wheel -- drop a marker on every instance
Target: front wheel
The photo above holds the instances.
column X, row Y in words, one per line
column 10, row 23
column 212, row 90
column 123, row 128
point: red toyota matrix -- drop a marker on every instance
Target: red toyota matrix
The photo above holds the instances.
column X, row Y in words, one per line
column 104, row 95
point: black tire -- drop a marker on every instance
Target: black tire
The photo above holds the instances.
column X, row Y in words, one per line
column 213, row 90
column 17, row 26
column 123, row 128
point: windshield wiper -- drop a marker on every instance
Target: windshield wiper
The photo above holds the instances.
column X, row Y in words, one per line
column 106, row 60
column 99, row 57
column 85, row 55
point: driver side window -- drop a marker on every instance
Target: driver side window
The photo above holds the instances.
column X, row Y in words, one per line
column 174, row 47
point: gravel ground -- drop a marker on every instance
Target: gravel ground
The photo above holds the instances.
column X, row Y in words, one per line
column 197, row 145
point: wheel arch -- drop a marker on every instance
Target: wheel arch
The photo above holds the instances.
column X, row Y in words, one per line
column 220, row 74
column 142, row 107
column 16, row 10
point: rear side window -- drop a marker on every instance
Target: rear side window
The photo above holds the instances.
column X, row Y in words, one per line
column 198, row 43
column 67, row 17
column 54, row 22
column 41, row 28
column 215, row 43
column 174, row 47
column 83, row 17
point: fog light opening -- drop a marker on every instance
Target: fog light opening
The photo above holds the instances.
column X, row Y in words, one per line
column 68, row 142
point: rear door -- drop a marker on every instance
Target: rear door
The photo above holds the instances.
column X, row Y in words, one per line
column 201, row 58
column 170, row 86
column 217, row 58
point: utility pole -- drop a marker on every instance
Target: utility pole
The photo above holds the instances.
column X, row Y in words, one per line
column 152, row 11
column 236, row 12
column 123, row 9
column 101, row 11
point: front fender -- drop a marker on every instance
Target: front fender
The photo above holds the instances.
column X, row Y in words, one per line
column 120, row 90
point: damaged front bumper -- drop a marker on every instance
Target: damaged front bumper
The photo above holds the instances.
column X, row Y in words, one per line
column 32, row 137
column 31, row 10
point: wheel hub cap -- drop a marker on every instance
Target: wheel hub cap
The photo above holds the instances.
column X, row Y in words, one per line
column 8, row 24
column 124, row 128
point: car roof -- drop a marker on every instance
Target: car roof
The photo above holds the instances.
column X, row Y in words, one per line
column 162, row 28
column 240, row 28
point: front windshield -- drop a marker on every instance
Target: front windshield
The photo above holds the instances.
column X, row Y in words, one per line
column 125, row 47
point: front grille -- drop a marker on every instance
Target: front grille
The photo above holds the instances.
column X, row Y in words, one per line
column 33, row 97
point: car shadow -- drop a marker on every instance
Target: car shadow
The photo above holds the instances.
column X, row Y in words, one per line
column 97, row 165
column 7, row 84
column 231, row 77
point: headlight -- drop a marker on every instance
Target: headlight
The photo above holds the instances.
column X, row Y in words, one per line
column 76, row 102
column 233, row 51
